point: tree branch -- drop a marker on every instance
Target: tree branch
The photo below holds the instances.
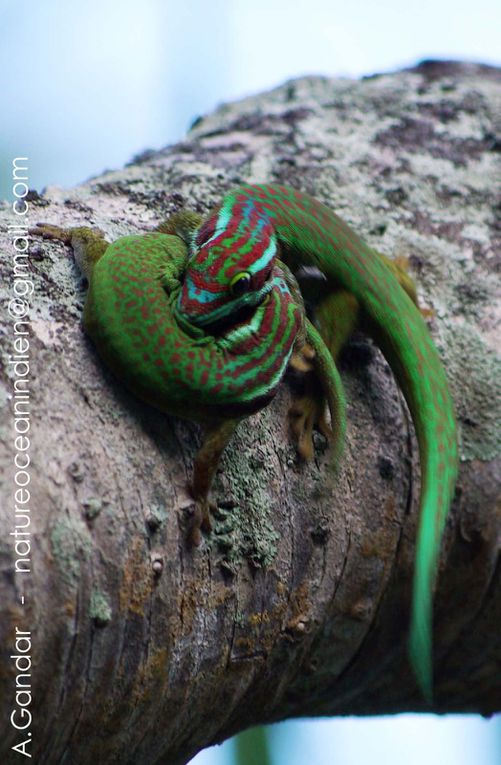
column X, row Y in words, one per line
column 145, row 651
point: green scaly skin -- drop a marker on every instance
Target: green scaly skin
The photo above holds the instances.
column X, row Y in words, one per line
column 163, row 312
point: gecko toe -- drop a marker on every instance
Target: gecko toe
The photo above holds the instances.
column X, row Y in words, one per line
column 305, row 414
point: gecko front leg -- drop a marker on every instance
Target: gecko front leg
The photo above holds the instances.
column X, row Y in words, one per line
column 216, row 438
column 88, row 244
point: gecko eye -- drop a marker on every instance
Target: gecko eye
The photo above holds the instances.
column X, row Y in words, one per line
column 240, row 284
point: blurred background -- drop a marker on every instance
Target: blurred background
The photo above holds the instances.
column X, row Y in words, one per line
column 86, row 86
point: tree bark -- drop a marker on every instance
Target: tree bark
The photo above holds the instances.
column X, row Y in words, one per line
column 145, row 651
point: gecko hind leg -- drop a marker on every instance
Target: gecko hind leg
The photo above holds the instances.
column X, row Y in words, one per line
column 216, row 438
column 400, row 266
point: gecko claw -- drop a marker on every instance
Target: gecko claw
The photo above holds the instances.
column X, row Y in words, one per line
column 305, row 414
column 200, row 520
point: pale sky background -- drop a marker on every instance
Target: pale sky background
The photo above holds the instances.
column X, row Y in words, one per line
column 86, row 86
column 401, row 740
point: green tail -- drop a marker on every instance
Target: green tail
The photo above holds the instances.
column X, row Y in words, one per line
column 421, row 377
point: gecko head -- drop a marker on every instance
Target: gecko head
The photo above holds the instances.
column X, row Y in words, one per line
column 230, row 268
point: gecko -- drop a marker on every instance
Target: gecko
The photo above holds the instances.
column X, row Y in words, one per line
column 213, row 378
column 202, row 317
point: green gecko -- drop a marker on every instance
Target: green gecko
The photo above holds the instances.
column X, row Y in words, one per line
column 214, row 379
column 201, row 319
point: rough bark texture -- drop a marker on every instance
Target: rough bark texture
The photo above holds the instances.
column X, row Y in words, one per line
column 145, row 651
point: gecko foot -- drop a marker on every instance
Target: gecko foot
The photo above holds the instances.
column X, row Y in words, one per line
column 200, row 521
column 308, row 410
column 49, row 231
column 305, row 414
column 216, row 437
column 301, row 359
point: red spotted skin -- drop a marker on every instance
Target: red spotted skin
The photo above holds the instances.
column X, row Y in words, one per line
column 129, row 316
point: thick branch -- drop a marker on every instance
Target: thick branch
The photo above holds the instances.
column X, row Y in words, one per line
column 145, row 651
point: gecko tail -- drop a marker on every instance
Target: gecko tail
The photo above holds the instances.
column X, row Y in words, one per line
column 420, row 634
column 435, row 502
